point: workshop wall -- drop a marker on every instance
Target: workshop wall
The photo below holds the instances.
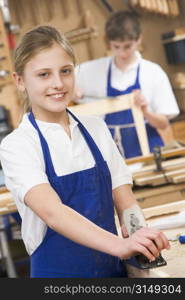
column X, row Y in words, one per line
column 83, row 22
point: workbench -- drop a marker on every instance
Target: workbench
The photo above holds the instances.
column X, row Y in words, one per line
column 161, row 182
column 175, row 257
column 7, row 206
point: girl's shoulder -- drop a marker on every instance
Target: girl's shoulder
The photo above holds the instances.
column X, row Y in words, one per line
column 23, row 134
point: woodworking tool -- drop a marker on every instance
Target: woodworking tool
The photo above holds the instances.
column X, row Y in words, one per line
column 133, row 221
column 144, row 263
column 158, row 158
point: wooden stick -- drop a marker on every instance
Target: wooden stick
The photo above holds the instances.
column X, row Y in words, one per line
column 106, row 106
column 150, row 157
column 164, row 209
column 140, row 127
column 180, row 178
column 153, row 178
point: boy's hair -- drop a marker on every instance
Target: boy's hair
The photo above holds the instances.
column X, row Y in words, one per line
column 123, row 25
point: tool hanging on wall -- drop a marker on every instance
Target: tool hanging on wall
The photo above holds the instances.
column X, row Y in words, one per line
column 107, row 5
column 169, row 8
column 7, row 23
column 87, row 32
column 5, row 56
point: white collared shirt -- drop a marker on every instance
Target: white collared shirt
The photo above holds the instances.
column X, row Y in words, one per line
column 91, row 78
column 23, row 164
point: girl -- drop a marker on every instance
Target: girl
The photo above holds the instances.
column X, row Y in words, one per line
column 66, row 173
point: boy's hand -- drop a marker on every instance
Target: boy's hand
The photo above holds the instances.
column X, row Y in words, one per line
column 140, row 100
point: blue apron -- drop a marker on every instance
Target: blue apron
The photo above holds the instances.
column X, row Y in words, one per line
column 121, row 123
column 89, row 192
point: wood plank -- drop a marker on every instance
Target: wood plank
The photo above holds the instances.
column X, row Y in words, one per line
column 149, row 192
column 111, row 105
column 155, row 178
column 152, row 196
column 164, row 209
column 178, row 179
column 150, row 157
column 167, row 165
column 103, row 106
column 175, row 256
column 140, row 126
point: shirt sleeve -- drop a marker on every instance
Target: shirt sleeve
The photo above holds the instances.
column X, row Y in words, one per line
column 22, row 164
column 163, row 99
column 120, row 172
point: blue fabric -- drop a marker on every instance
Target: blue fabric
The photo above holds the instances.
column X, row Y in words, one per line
column 89, row 192
column 129, row 138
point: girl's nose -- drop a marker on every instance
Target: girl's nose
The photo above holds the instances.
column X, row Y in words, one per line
column 57, row 82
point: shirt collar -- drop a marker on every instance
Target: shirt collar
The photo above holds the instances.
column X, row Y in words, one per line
column 132, row 66
column 44, row 126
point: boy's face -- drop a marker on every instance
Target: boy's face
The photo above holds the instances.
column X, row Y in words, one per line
column 48, row 80
column 124, row 50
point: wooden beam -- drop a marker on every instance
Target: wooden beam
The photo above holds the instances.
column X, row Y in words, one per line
column 140, row 126
column 103, row 106
column 111, row 105
column 164, row 154
column 155, row 179
column 164, row 209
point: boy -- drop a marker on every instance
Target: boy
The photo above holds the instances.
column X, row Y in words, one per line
column 125, row 72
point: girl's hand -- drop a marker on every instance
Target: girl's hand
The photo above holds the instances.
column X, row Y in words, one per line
column 147, row 241
column 124, row 231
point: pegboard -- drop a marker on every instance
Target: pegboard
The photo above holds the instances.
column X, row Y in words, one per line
column 5, row 57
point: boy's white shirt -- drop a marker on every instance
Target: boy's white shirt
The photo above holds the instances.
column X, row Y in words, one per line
column 91, row 77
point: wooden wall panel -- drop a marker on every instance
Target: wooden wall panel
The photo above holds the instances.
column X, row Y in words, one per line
column 68, row 15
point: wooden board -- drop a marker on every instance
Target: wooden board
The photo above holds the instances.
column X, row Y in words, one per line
column 175, row 257
column 164, row 209
column 152, row 196
column 173, row 170
column 150, row 157
column 111, row 105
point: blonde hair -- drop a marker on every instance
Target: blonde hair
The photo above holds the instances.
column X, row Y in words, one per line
column 34, row 41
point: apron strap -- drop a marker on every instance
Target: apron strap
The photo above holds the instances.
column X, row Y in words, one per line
column 45, row 149
column 114, row 92
column 137, row 83
column 50, row 171
column 89, row 140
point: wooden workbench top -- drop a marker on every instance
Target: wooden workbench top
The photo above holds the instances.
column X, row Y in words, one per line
column 175, row 256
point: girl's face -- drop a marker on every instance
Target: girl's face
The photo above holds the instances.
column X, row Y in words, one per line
column 124, row 50
column 48, row 80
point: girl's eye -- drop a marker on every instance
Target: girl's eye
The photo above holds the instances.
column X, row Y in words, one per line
column 44, row 74
column 66, row 71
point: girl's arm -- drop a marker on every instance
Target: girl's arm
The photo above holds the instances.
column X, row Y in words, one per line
column 44, row 201
column 129, row 211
